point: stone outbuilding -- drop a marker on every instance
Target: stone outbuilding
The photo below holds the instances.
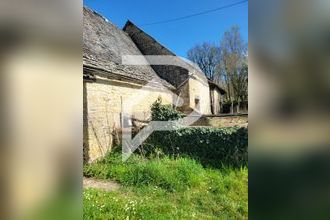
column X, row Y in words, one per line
column 191, row 84
column 108, row 84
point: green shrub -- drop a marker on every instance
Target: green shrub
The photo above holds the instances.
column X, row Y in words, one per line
column 211, row 146
column 160, row 112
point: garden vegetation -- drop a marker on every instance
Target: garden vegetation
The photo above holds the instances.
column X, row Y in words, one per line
column 188, row 173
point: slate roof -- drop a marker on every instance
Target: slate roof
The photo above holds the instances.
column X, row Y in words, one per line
column 149, row 46
column 213, row 84
column 103, row 46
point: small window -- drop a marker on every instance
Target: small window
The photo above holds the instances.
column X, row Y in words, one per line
column 197, row 103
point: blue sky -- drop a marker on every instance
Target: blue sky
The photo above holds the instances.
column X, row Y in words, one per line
column 178, row 36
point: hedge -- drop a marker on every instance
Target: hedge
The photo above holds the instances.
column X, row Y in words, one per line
column 211, row 146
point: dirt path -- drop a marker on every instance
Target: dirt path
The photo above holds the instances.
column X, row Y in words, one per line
column 100, row 184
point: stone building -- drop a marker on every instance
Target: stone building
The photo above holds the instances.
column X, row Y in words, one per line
column 108, row 84
column 191, row 84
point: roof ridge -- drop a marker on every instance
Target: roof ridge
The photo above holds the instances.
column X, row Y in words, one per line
column 130, row 23
column 102, row 17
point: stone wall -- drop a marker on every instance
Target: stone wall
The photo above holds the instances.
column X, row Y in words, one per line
column 184, row 95
column 104, row 100
column 217, row 99
column 199, row 89
column 223, row 121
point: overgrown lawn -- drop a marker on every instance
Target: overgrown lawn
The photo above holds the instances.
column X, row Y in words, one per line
column 166, row 188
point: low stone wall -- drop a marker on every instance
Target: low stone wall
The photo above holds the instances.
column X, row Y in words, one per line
column 222, row 120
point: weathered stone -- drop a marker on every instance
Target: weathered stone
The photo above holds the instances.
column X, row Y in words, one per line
column 104, row 103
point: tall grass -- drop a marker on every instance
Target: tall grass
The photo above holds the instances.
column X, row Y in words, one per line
column 166, row 188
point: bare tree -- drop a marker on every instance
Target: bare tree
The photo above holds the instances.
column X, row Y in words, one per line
column 206, row 56
column 226, row 65
column 242, row 84
column 233, row 66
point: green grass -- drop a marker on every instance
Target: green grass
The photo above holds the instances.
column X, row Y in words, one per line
column 166, row 188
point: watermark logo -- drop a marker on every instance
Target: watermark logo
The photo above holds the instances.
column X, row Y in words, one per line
column 129, row 144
